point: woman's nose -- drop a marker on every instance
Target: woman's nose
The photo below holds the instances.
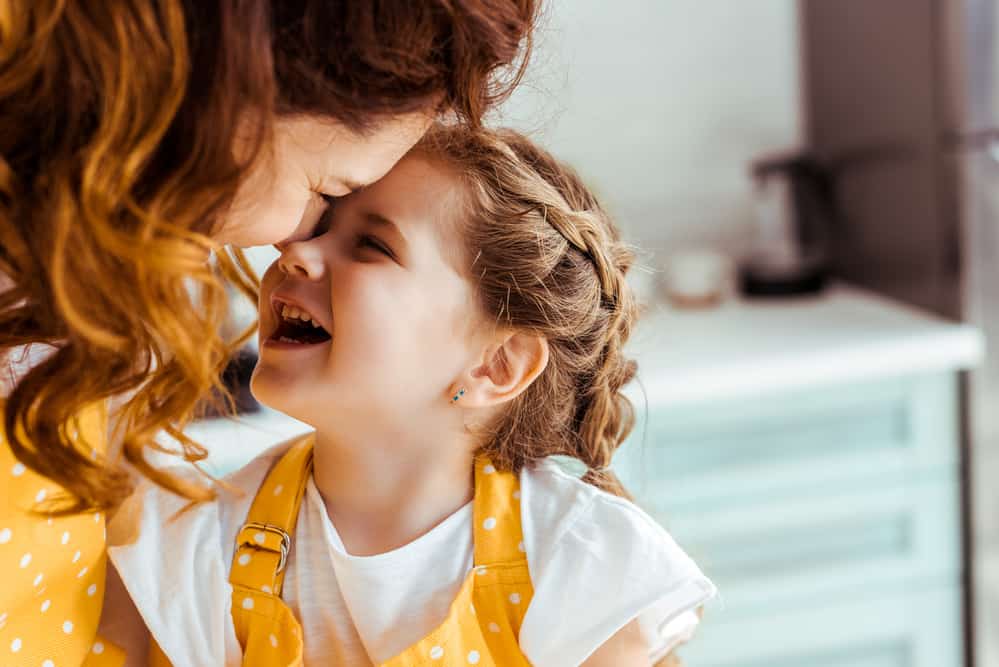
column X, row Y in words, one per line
column 302, row 259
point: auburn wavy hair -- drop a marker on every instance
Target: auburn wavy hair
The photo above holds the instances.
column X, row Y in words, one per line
column 116, row 165
column 546, row 258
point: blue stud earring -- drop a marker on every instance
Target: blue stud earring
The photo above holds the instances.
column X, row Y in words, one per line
column 454, row 399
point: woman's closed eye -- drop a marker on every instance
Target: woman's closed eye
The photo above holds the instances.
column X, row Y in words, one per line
column 311, row 226
column 323, row 225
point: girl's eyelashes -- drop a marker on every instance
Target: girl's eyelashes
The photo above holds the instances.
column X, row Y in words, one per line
column 373, row 242
column 363, row 240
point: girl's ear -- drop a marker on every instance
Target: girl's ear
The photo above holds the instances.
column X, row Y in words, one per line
column 507, row 368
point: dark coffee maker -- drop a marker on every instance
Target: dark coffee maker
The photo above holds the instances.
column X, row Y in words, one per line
column 795, row 212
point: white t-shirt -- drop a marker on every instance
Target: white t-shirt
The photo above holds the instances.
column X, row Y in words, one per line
column 597, row 562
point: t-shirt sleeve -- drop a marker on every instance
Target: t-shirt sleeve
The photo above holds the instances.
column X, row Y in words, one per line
column 175, row 565
column 597, row 563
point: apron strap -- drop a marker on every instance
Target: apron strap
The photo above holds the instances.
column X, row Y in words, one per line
column 498, row 535
column 264, row 541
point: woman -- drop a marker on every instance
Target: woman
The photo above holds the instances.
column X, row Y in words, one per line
column 137, row 137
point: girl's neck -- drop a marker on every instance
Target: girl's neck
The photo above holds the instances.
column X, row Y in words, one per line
column 383, row 490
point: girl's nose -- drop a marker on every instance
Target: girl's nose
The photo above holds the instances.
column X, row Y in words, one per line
column 302, row 259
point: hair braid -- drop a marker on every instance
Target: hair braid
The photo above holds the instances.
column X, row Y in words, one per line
column 549, row 260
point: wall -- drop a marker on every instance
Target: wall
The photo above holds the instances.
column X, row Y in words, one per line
column 662, row 103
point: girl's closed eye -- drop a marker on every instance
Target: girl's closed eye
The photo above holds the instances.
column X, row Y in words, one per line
column 368, row 241
column 364, row 241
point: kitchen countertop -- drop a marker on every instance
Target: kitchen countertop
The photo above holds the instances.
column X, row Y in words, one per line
column 740, row 348
column 753, row 347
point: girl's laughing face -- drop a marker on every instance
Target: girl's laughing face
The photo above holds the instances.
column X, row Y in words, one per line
column 371, row 316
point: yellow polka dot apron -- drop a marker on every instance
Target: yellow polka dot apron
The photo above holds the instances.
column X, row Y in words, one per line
column 53, row 568
column 482, row 625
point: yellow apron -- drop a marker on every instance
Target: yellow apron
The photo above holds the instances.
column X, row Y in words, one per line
column 53, row 568
column 484, row 620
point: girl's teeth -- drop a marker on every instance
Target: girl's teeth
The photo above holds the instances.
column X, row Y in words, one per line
column 291, row 312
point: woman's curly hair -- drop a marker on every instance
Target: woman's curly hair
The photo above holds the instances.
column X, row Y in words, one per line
column 117, row 122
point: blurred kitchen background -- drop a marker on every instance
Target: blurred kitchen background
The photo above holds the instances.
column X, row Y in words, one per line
column 813, row 186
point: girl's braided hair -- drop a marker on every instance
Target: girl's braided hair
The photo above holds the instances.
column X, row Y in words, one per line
column 547, row 259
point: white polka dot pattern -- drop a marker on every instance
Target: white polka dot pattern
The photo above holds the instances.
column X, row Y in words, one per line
column 42, row 558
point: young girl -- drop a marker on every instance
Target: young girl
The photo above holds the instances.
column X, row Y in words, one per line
column 446, row 331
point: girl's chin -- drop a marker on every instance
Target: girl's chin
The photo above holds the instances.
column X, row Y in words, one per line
column 288, row 393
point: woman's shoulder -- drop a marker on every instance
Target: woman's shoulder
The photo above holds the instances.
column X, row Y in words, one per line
column 606, row 558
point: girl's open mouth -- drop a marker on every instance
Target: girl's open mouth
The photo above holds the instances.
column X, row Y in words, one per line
column 295, row 330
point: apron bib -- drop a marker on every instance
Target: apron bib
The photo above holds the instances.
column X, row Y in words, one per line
column 482, row 625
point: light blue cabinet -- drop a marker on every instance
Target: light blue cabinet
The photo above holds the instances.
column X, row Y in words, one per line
column 828, row 516
column 920, row 628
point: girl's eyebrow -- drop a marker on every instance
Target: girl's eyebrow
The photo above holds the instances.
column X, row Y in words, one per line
column 390, row 229
column 381, row 221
